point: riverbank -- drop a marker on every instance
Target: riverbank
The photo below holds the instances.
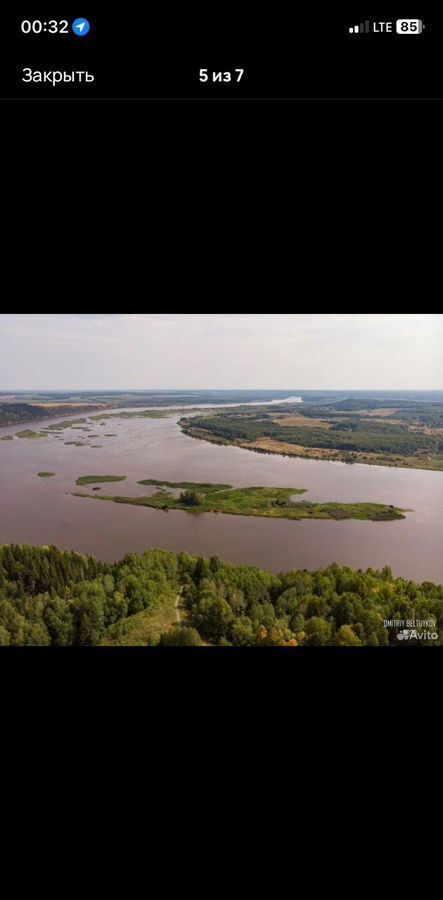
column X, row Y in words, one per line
column 284, row 448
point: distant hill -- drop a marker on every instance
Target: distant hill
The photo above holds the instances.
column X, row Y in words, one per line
column 12, row 413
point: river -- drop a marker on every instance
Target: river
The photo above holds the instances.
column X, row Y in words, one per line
column 43, row 511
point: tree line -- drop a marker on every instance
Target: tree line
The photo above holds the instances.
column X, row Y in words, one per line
column 50, row 596
column 12, row 413
column 359, row 435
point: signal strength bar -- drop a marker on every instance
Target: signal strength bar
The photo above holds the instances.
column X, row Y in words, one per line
column 363, row 28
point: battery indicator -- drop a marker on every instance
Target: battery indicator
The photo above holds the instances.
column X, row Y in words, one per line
column 409, row 26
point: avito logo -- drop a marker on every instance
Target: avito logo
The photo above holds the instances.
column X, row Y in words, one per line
column 407, row 634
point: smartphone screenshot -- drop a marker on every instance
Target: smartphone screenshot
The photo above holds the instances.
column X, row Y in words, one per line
column 222, row 52
column 238, row 479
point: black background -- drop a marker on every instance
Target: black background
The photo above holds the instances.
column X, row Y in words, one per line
column 287, row 51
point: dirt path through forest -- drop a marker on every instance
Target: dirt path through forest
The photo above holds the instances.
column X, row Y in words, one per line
column 177, row 607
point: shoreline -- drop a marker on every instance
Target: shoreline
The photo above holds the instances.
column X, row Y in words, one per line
column 26, row 422
column 189, row 431
column 173, row 409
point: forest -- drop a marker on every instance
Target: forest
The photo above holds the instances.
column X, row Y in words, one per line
column 423, row 413
column 10, row 413
column 406, row 434
column 53, row 597
column 368, row 436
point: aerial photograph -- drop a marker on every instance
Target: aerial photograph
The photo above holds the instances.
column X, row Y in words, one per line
column 221, row 480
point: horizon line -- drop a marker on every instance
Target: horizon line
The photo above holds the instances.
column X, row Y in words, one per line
column 195, row 389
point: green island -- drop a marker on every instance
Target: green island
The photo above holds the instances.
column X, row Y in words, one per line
column 46, row 474
column 54, row 597
column 98, row 479
column 30, row 435
column 398, row 433
column 272, row 502
column 7, row 437
column 69, row 423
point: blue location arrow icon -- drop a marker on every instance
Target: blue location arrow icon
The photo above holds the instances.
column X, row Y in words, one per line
column 81, row 27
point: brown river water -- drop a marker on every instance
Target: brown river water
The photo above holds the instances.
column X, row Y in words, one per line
column 43, row 511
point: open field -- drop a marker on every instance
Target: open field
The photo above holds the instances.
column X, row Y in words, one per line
column 55, row 406
column 382, row 413
column 143, row 628
column 286, row 421
column 137, row 414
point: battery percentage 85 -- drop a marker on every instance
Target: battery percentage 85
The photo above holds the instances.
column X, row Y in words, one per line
column 409, row 26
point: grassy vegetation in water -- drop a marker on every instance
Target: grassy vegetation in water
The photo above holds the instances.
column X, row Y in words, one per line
column 7, row 437
column 70, row 423
column 30, row 435
column 97, row 479
column 255, row 501
column 192, row 485
column 46, row 474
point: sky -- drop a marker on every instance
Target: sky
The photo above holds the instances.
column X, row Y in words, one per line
column 160, row 351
